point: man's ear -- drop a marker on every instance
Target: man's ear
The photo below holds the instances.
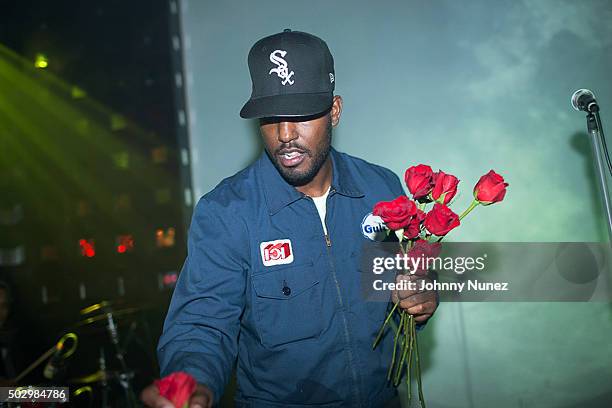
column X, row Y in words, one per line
column 336, row 110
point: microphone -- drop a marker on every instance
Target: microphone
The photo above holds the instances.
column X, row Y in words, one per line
column 584, row 100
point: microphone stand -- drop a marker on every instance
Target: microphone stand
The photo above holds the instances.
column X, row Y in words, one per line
column 598, row 143
column 126, row 375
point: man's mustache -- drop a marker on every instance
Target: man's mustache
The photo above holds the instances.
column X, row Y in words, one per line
column 293, row 147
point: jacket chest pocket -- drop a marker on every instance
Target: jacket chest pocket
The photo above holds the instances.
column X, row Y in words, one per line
column 287, row 304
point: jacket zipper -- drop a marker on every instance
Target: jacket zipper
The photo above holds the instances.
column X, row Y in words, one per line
column 328, row 244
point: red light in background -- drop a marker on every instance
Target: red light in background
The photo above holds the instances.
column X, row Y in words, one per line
column 125, row 243
column 170, row 279
column 88, row 247
column 167, row 279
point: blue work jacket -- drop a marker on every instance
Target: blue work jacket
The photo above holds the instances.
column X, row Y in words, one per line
column 301, row 331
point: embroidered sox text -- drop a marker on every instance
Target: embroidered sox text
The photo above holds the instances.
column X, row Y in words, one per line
column 276, row 57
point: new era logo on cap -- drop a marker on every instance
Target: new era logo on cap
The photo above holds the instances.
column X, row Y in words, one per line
column 292, row 74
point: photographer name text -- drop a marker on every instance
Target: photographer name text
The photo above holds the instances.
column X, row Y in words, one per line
column 423, row 285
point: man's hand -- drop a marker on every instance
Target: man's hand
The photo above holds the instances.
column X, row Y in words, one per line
column 418, row 302
column 202, row 398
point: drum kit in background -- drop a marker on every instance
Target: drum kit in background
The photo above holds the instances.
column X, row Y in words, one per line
column 100, row 342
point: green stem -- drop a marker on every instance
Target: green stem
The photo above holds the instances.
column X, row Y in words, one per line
column 402, row 248
column 399, row 330
column 380, row 332
column 409, row 365
column 404, row 329
column 418, row 368
column 473, row 205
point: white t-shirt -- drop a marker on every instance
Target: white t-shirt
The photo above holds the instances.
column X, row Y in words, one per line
column 320, row 202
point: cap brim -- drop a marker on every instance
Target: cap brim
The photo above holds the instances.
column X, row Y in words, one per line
column 287, row 105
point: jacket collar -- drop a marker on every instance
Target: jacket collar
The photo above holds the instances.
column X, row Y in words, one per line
column 279, row 193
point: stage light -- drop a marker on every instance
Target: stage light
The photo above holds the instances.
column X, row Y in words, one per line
column 168, row 279
column 41, row 61
column 88, row 247
column 125, row 243
column 165, row 237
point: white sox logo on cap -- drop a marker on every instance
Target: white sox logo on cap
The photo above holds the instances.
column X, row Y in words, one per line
column 276, row 57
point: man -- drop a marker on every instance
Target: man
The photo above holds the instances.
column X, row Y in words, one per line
column 272, row 276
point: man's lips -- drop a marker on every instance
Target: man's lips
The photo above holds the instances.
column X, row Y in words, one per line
column 291, row 157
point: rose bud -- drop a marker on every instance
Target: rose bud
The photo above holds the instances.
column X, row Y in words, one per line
column 445, row 187
column 440, row 220
column 419, row 180
column 490, row 189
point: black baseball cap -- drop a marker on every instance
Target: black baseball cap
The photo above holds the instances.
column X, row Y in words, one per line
column 292, row 74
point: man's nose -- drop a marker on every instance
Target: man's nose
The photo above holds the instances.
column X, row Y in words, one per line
column 286, row 132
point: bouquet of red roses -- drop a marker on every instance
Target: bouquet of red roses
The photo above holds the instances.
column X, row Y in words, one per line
column 419, row 232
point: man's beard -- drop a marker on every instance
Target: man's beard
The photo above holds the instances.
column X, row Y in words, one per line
column 299, row 178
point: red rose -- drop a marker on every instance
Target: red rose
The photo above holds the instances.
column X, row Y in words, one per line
column 440, row 220
column 177, row 387
column 490, row 188
column 445, row 187
column 396, row 214
column 419, row 180
column 413, row 228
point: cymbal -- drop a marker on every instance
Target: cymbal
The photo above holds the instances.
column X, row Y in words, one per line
column 96, row 306
column 121, row 314
column 108, row 305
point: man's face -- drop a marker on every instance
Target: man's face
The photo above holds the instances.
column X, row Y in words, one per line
column 299, row 147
